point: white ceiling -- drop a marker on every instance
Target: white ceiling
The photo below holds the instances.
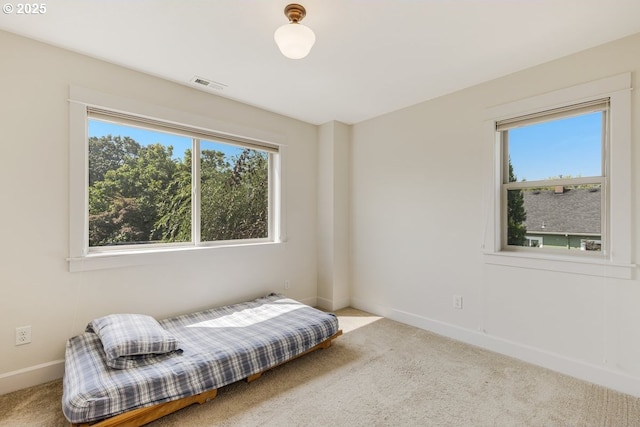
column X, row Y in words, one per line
column 371, row 56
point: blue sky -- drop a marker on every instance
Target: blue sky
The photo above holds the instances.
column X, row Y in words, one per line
column 145, row 137
column 570, row 146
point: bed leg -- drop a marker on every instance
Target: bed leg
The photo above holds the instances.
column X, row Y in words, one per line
column 325, row 344
column 254, row 377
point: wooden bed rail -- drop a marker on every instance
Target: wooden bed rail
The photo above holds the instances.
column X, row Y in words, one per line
column 141, row 416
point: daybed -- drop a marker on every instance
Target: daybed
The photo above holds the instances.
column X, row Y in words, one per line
column 112, row 378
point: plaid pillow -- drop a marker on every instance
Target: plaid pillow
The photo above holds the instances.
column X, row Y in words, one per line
column 131, row 340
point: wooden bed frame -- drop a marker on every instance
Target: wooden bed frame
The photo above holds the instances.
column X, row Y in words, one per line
column 142, row 416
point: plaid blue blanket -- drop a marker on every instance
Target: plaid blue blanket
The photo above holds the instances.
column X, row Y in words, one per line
column 219, row 346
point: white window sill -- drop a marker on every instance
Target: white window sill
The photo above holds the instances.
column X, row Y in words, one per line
column 567, row 264
column 138, row 257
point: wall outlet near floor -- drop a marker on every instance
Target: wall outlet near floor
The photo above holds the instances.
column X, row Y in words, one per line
column 457, row 302
column 287, row 284
column 23, row 335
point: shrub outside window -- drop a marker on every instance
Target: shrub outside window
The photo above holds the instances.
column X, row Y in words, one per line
column 154, row 184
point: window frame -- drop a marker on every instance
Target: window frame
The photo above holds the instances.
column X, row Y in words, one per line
column 615, row 260
column 544, row 116
column 81, row 102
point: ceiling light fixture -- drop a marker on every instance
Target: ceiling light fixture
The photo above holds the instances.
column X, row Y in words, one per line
column 294, row 39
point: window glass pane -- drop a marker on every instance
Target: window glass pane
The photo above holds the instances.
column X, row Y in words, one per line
column 139, row 186
column 560, row 217
column 234, row 191
column 565, row 148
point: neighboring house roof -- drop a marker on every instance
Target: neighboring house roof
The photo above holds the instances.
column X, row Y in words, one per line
column 570, row 211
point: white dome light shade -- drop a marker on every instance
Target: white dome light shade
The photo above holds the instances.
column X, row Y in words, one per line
column 294, row 40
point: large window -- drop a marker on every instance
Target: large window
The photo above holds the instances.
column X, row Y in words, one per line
column 559, row 183
column 141, row 185
column 553, row 180
column 148, row 185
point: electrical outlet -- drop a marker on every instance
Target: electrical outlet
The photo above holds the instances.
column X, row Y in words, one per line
column 287, row 284
column 457, row 302
column 23, row 335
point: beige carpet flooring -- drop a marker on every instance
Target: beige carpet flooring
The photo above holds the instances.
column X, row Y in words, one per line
column 381, row 373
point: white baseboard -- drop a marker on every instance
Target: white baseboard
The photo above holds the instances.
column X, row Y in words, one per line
column 33, row 375
column 338, row 304
column 596, row 374
column 324, row 303
column 330, row 305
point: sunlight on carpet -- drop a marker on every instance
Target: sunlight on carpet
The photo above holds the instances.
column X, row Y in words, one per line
column 351, row 319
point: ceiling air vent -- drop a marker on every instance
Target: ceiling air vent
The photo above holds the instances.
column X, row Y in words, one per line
column 200, row 81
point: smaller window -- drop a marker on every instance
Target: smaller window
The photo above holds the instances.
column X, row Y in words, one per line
column 547, row 151
column 553, row 179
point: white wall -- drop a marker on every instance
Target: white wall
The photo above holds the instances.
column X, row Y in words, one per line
column 417, row 223
column 333, row 215
column 36, row 287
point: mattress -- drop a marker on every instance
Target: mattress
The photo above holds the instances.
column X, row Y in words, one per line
column 219, row 346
